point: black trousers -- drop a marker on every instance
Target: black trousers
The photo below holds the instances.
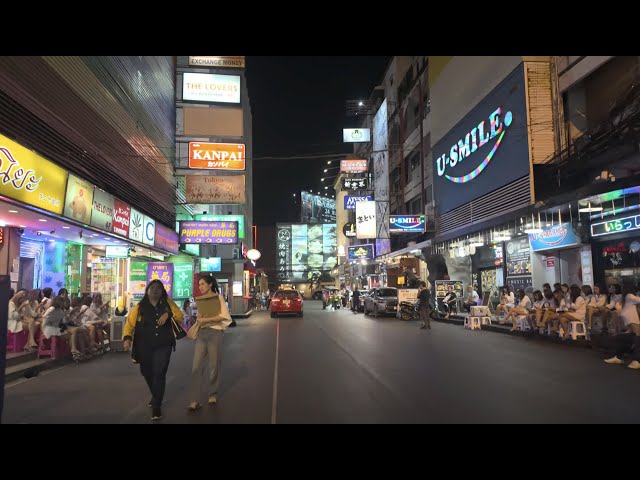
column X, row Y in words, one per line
column 626, row 343
column 154, row 370
column 467, row 306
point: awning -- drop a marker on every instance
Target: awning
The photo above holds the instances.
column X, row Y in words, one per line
column 405, row 251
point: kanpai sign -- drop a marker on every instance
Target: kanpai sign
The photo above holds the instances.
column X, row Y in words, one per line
column 217, row 156
column 121, row 218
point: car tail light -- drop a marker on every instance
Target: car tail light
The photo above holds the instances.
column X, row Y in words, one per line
column 275, row 300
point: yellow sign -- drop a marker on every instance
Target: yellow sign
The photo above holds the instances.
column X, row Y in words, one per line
column 401, row 280
column 29, row 178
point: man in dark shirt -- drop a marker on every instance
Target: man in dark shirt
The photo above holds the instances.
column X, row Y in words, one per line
column 355, row 301
column 424, row 297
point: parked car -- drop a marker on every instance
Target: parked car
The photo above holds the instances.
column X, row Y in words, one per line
column 363, row 295
column 383, row 300
column 287, row 302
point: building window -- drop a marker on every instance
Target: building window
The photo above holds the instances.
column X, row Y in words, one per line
column 411, row 163
column 414, row 206
column 395, row 180
column 428, row 194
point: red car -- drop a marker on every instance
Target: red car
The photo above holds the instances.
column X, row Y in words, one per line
column 286, row 301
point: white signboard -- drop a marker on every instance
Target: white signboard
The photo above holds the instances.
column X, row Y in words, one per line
column 102, row 210
column 408, row 295
column 211, row 88
column 355, row 135
column 381, row 178
column 136, row 226
column 226, row 62
column 149, row 231
column 365, row 219
column 215, row 189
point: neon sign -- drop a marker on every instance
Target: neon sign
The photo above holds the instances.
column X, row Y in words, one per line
column 472, row 141
column 615, row 226
column 407, row 223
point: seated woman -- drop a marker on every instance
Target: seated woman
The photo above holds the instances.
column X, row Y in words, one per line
column 553, row 312
column 56, row 324
column 537, row 311
column 629, row 340
column 524, row 305
column 17, row 322
column 101, row 311
column 80, row 315
column 596, row 304
column 577, row 310
column 507, row 301
column 31, row 312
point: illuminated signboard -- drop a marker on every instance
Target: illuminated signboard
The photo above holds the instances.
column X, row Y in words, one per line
column 161, row 271
column 487, row 149
column 116, row 251
column 208, row 232
column 360, row 252
column 217, row 156
column 79, row 199
column 305, row 250
column 218, row 62
column 121, row 218
column 225, row 218
column 407, row 223
column 350, row 201
column 212, row 264
column 556, row 236
column 626, row 224
column 355, row 183
column 29, row 178
column 317, row 209
column 166, row 239
column 211, row 88
column 353, row 166
column 366, row 220
column 354, row 135
column 102, row 210
column 215, row 189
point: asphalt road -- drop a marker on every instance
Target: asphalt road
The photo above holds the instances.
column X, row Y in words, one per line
column 337, row 367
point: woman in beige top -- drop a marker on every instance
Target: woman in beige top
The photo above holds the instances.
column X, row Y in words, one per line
column 210, row 335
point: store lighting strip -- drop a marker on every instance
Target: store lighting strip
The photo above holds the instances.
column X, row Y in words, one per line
column 617, row 211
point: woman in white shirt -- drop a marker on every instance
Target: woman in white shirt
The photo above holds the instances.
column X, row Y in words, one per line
column 596, row 304
column 523, row 307
column 536, row 313
column 577, row 310
column 629, row 341
column 507, row 301
column 553, row 312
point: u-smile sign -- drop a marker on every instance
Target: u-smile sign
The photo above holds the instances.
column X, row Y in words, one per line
column 474, row 140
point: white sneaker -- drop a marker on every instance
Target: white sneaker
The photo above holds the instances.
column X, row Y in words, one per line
column 614, row 360
column 635, row 365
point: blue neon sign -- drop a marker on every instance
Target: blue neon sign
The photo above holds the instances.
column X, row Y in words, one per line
column 407, row 223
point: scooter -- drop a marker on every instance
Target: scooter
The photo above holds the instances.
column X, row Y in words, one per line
column 409, row 311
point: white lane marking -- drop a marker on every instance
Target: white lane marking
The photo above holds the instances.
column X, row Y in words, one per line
column 275, row 376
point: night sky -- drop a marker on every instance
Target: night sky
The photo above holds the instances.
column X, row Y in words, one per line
column 298, row 106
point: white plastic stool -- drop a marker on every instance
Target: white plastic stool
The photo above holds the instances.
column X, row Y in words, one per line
column 485, row 320
column 577, row 329
column 472, row 323
column 522, row 323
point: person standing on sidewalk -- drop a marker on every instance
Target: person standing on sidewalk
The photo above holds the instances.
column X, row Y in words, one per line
column 149, row 326
column 630, row 340
column 355, row 301
column 424, row 297
column 209, row 340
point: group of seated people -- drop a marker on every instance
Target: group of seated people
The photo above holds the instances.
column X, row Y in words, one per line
column 564, row 304
column 81, row 320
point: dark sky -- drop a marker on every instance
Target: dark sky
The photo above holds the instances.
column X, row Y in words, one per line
column 299, row 109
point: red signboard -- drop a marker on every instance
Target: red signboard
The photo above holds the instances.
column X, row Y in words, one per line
column 353, row 166
column 121, row 218
column 551, row 262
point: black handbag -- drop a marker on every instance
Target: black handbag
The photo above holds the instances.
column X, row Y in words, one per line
column 178, row 331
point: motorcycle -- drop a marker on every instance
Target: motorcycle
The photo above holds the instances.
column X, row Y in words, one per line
column 409, row 311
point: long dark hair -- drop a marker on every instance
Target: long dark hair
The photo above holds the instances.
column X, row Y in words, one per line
column 146, row 303
column 211, row 280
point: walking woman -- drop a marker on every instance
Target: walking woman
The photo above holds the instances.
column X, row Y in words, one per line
column 209, row 339
column 149, row 325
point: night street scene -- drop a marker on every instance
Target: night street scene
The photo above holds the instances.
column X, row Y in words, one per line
column 319, row 239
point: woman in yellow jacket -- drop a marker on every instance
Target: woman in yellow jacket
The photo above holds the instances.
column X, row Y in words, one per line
column 148, row 324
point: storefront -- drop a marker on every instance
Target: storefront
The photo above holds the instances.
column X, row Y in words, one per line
column 61, row 231
column 616, row 248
